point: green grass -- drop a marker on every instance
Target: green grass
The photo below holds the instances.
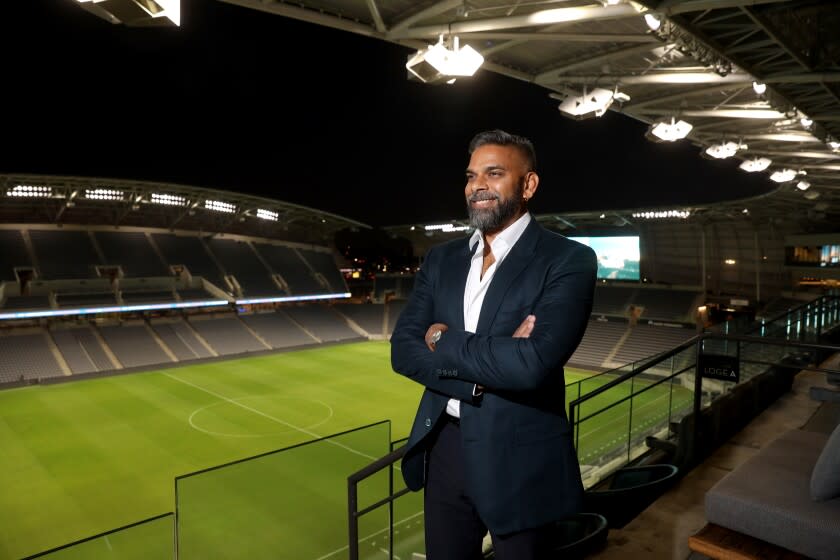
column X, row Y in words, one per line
column 89, row 456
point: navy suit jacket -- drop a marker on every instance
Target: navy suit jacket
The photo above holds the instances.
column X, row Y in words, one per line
column 521, row 466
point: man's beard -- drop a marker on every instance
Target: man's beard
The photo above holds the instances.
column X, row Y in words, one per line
column 492, row 219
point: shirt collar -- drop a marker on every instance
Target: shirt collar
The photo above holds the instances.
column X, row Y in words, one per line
column 505, row 238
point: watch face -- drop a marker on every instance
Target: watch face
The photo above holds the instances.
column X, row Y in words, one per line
column 436, row 336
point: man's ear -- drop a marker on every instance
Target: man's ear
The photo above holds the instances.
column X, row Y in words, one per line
column 532, row 181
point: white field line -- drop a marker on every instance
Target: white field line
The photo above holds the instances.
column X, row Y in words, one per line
column 343, row 548
column 309, row 433
column 601, row 426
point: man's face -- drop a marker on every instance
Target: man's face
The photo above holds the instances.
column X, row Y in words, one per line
column 496, row 186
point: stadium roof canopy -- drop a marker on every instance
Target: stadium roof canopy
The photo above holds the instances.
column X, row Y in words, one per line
column 759, row 76
column 54, row 199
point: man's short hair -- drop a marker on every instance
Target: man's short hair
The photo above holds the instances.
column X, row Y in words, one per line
column 501, row 138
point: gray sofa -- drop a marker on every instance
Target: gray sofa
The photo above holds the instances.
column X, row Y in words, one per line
column 787, row 494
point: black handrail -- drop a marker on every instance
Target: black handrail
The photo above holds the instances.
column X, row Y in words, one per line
column 787, row 312
column 353, row 512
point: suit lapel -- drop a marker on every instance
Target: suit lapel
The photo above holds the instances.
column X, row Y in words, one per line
column 454, row 281
column 520, row 255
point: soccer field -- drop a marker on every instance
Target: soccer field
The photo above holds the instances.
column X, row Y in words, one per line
column 89, row 456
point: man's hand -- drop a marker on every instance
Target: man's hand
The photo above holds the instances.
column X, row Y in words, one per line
column 525, row 329
column 432, row 330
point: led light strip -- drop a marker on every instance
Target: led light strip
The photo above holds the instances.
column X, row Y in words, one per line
column 292, row 298
column 111, row 309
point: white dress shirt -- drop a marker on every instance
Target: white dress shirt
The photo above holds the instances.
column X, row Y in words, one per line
column 476, row 287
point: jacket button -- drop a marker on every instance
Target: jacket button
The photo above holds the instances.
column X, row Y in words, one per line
column 428, row 422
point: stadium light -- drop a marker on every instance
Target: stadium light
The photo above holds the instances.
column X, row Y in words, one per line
column 135, row 12
column 755, row 165
column 724, row 150
column 662, row 214
column 439, row 61
column 219, row 206
column 29, row 191
column 591, row 103
column 653, row 21
column 759, row 88
column 669, row 130
column 267, row 214
column 803, row 185
column 812, row 195
column 783, row 175
column 104, row 194
column 445, row 228
column 168, row 199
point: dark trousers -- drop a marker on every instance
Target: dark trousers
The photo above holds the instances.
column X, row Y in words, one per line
column 454, row 530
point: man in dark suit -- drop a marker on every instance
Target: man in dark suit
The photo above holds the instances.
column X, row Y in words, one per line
column 491, row 321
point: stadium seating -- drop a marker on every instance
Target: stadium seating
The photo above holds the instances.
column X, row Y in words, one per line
column 12, row 254
column 26, row 302
column 240, row 260
column 64, row 254
column 277, row 329
column 644, row 341
column 322, row 322
column 190, row 251
column 598, row 343
column 132, row 252
column 226, row 334
column 323, row 264
column 288, row 263
column 133, row 345
column 180, row 338
column 26, row 356
column 369, row 316
column 82, row 350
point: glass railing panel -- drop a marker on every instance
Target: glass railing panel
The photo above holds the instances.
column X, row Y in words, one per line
column 291, row 503
column 601, row 435
column 151, row 539
column 409, row 528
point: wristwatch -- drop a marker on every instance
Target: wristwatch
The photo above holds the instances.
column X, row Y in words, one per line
column 436, row 336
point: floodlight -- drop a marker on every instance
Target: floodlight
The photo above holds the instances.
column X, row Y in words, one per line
column 783, row 175
column 724, row 149
column 653, row 21
column 756, row 164
column 440, row 63
column 759, row 88
column 591, row 104
column 803, row 185
column 29, row 191
column 669, row 130
column 812, row 195
column 135, row 12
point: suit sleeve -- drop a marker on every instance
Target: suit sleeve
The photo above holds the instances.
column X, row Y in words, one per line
column 526, row 364
column 409, row 354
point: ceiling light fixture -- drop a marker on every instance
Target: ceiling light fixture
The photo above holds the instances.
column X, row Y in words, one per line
column 756, row 164
column 783, row 175
column 669, row 130
column 759, row 88
column 653, row 21
column 442, row 61
column 724, row 149
column 591, row 104
column 803, row 185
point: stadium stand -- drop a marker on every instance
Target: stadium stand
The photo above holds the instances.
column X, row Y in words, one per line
column 368, row 316
column 277, row 329
column 64, row 254
column 132, row 252
column 93, row 299
column 667, row 304
column 612, row 300
column 598, row 343
column 190, row 251
column 26, row 356
column 288, row 263
column 26, row 302
column 180, row 338
column 13, row 254
column 136, row 298
column 226, row 334
column 325, row 267
column 73, row 341
column 194, row 294
column 644, row 341
column 242, row 262
column 133, row 345
column 392, row 312
column 322, row 322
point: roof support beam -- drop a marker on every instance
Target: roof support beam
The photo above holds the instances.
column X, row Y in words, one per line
column 535, row 19
column 605, row 57
column 431, row 11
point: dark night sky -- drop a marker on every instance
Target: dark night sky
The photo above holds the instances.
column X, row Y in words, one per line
column 242, row 100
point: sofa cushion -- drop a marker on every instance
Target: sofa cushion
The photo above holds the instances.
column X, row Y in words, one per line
column 825, row 480
column 768, row 497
